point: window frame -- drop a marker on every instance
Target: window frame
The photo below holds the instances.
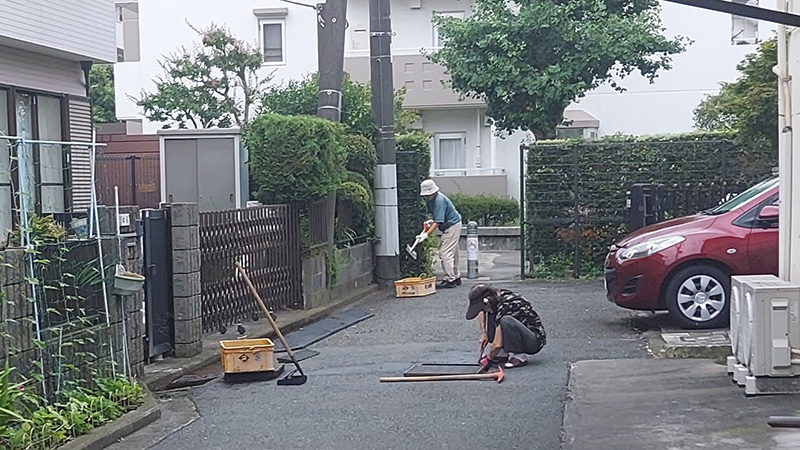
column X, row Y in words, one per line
column 12, row 94
column 261, row 24
column 450, row 135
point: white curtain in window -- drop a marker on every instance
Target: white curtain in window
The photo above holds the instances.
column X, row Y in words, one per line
column 27, row 180
column 51, row 167
column 5, row 171
column 452, row 154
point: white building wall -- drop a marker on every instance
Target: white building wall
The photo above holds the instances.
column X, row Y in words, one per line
column 667, row 105
column 164, row 29
column 68, row 29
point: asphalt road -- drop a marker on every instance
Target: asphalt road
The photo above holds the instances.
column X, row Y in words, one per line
column 343, row 405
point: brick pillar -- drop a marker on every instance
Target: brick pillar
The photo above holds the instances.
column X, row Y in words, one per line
column 187, row 300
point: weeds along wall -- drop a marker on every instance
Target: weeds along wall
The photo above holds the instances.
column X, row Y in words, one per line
column 576, row 191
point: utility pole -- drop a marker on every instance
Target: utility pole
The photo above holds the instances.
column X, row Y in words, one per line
column 331, row 22
column 387, row 260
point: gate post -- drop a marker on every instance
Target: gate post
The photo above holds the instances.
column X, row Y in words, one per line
column 186, row 290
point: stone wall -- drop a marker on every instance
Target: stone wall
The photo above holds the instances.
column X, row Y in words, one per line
column 493, row 238
column 71, row 350
column 355, row 267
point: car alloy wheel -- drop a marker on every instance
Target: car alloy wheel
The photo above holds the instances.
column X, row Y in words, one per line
column 699, row 297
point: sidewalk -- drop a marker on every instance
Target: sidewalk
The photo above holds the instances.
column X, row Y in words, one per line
column 669, row 404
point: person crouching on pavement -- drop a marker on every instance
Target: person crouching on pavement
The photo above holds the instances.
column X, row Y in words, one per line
column 446, row 218
column 508, row 322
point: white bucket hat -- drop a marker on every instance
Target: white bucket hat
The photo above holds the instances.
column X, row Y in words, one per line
column 428, row 187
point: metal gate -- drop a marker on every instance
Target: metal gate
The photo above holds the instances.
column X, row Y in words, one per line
column 158, row 284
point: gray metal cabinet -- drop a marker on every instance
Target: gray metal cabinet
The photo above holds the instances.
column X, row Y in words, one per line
column 207, row 167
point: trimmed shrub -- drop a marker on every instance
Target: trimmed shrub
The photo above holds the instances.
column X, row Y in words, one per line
column 295, row 158
column 487, row 210
column 361, row 156
column 360, row 222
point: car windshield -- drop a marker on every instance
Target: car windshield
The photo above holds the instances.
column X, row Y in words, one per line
column 744, row 197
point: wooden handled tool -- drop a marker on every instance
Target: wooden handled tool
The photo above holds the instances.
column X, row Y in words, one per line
column 289, row 380
column 497, row 376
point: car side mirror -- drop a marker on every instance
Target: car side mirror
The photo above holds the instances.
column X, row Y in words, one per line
column 769, row 213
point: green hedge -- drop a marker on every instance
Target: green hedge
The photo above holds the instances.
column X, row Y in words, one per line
column 487, row 210
column 295, row 158
column 413, row 166
column 603, row 171
column 361, row 156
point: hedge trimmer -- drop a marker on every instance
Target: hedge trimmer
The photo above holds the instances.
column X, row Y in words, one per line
column 410, row 248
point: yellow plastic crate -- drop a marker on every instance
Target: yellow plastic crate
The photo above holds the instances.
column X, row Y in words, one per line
column 415, row 287
column 248, row 355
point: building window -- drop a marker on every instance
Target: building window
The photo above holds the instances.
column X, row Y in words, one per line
column 450, row 151
column 41, row 166
column 438, row 41
column 272, row 42
column 744, row 30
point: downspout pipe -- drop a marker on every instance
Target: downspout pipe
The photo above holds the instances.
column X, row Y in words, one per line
column 785, row 144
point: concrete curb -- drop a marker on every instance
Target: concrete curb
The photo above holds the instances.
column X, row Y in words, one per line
column 660, row 349
column 161, row 379
column 108, row 434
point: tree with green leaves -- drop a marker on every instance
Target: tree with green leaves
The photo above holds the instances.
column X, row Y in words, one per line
column 101, row 88
column 528, row 60
column 299, row 97
column 213, row 85
column 749, row 105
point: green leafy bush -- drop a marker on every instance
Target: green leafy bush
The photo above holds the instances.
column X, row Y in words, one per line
column 361, row 156
column 27, row 423
column 295, row 158
column 360, row 223
column 487, row 210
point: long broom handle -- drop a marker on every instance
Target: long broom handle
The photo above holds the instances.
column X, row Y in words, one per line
column 266, row 313
column 477, row 376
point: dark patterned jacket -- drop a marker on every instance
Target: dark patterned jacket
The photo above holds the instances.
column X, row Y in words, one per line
column 513, row 305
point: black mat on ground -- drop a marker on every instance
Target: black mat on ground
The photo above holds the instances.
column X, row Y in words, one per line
column 248, row 377
column 327, row 327
column 422, row 370
column 299, row 355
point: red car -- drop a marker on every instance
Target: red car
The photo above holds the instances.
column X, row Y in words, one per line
column 685, row 265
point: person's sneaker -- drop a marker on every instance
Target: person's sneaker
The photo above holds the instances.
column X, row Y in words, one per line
column 444, row 284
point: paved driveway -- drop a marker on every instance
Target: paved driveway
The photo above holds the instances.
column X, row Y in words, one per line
column 343, row 406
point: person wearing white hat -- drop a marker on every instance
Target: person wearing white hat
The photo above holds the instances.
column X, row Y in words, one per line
column 447, row 219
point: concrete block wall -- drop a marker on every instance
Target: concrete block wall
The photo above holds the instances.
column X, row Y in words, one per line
column 493, row 238
column 356, row 266
column 86, row 348
column 186, row 287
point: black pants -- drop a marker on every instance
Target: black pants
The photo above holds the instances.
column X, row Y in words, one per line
column 517, row 338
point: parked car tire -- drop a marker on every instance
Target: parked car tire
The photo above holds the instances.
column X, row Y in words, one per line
column 699, row 296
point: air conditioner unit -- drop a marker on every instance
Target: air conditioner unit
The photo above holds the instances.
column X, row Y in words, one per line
column 738, row 287
column 768, row 326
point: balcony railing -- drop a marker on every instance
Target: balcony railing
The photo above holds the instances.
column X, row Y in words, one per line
column 468, row 172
